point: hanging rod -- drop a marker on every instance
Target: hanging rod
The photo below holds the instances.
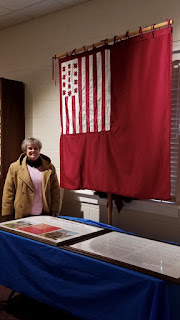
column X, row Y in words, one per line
column 116, row 38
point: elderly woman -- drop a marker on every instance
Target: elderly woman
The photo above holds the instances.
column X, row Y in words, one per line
column 31, row 186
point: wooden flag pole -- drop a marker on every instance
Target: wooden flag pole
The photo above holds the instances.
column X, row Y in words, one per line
column 110, row 205
column 116, row 38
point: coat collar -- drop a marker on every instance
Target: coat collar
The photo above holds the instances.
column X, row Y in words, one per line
column 46, row 161
column 24, row 173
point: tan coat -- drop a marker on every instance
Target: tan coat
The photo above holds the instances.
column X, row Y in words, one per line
column 18, row 191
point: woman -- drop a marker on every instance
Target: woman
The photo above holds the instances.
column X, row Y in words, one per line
column 31, row 186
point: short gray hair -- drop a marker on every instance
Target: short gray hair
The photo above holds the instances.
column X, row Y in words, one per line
column 30, row 141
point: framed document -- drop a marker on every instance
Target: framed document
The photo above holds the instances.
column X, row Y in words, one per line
column 151, row 257
column 51, row 230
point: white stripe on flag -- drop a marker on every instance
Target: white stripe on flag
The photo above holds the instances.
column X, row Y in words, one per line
column 91, row 102
column 77, row 112
column 107, row 90
column 64, row 115
column 70, row 115
column 83, row 81
column 99, row 90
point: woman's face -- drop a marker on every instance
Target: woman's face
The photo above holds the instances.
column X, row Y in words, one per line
column 32, row 152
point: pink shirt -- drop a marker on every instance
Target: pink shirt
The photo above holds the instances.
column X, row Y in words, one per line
column 36, row 177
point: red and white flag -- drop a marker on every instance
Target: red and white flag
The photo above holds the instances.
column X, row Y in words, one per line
column 115, row 107
column 85, row 85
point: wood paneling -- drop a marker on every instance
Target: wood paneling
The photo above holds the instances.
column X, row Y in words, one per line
column 12, row 125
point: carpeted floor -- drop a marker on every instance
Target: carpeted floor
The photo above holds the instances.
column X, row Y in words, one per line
column 21, row 307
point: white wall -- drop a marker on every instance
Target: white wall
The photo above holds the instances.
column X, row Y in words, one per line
column 26, row 51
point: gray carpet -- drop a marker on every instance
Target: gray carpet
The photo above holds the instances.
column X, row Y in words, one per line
column 21, row 307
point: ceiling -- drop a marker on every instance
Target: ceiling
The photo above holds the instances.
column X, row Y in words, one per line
column 13, row 12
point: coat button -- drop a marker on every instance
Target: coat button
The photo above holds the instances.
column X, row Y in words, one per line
column 20, row 206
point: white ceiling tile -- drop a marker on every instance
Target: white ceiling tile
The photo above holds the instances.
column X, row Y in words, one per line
column 73, row 2
column 4, row 11
column 13, row 19
column 43, row 8
column 13, row 12
column 18, row 4
column 1, row 27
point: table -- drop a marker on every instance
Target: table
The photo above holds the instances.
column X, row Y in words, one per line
column 85, row 287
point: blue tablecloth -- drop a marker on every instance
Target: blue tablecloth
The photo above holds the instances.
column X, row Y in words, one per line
column 83, row 286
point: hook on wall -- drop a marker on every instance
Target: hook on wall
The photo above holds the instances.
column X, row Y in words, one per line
column 84, row 48
column 127, row 34
column 73, row 51
column 153, row 30
column 140, row 32
column 105, row 41
column 115, row 39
